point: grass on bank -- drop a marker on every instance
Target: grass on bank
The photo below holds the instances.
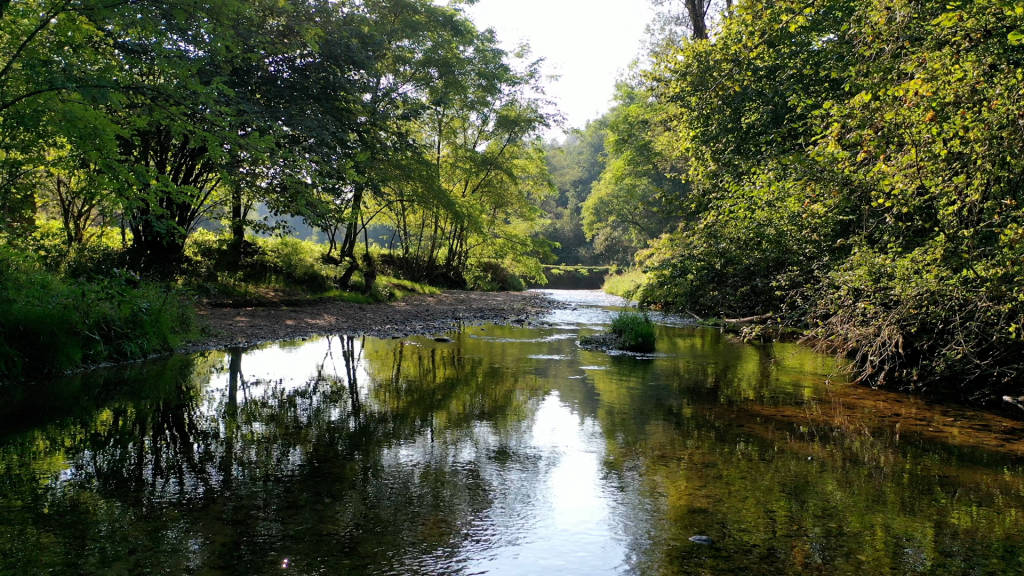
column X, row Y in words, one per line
column 562, row 269
column 282, row 270
column 61, row 309
column 626, row 284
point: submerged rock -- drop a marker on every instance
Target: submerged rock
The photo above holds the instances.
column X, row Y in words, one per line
column 442, row 339
column 601, row 342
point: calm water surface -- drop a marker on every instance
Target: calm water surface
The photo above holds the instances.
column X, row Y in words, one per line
column 506, row 451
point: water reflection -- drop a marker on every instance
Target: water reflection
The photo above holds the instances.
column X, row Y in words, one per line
column 508, row 451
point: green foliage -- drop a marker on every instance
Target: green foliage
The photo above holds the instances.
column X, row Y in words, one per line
column 50, row 324
column 292, row 262
column 574, row 165
column 635, row 331
column 171, row 114
column 492, row 276
column 746, row 255
column 283, row 263
column 395, row 288
column 633, row 201
column 283, row 269
column 854, row 169
column 158, row 117
column 625, row 284
column 574, row 277
column 101, row 257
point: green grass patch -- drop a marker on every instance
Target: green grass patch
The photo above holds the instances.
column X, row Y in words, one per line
column 493, row 276
column 401, row 288
column 626, row 284
column 282, row 270
column 635, row 331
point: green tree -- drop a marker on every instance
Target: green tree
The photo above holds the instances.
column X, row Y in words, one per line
column 634, row 200
column 852, row 168
column 485, row 175
column 574, row 164
column 54, row 57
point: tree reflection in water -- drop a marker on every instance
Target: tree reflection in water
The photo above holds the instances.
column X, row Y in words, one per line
column 233, row 472
column 359, row 456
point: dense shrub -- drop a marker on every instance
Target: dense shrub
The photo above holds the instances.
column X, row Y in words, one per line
column 625, row 284
column 417, row 270
column 856, row 170
column 293, row 262
column 275, row 261
column 205, row 256
column 909, row 321
column 100, row 257
column 491, row 276
column 49, row 323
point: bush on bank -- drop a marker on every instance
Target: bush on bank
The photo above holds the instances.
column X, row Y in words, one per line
column 626, row 284
column 51, row 323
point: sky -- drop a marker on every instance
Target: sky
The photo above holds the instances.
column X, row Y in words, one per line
column 588, row 44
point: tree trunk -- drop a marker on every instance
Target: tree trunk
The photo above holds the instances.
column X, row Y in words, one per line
column 348, row 248
column 696, row 11
column 237, row 226
column 155, row 248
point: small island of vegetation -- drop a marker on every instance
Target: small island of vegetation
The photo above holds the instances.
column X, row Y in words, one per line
column 629, row 332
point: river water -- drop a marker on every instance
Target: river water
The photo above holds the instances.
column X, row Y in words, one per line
column 508, row 450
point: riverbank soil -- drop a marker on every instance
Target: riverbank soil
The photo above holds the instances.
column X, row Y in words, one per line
column 415, row 314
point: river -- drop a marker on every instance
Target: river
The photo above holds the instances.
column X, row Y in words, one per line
column 507, row 450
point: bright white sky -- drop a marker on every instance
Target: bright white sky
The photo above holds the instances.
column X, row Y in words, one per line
column 588, row 44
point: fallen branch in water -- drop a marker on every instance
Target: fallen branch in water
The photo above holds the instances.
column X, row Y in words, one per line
column 748, row 319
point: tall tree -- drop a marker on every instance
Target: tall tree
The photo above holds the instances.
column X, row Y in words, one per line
column 484, row 175
column 850, row 172
column 54, row 68
column 676, row 20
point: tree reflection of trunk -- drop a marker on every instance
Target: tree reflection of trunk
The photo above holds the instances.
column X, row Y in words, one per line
column 180, row 432
column 351, row 364
column 396, row 367
column 227, row 464
column 152, row 445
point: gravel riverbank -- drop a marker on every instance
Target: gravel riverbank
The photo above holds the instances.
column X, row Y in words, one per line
column 415, row 314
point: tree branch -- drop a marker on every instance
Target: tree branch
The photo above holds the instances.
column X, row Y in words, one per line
column 46, row 20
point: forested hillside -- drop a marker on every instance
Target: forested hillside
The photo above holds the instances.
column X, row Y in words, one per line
column 851, row 167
